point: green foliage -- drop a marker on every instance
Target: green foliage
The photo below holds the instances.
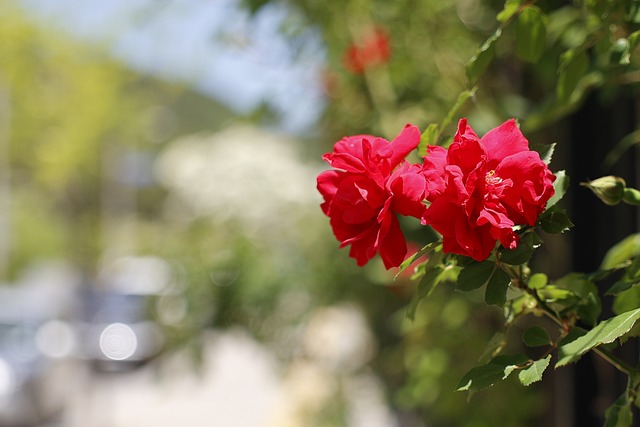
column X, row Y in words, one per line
column 560, row 186
column 555, row 220
column 537, row 62
column 531, row 34
column 496, row 293
column 534, row 372
column 621, row 252
column 573, row 50
column 604, row 333
column 475, row 275
column 619, row 414
column 478, row 64
column 487, row 375
column 536, row 336
column 529, row 242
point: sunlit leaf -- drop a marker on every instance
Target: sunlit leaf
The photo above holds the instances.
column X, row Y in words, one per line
column 537, row 281
column 428, row 137
column 534, row 372
column 487, row 375
column 605, row 332
column 560, row 186
column 634, row 37
column 511, row 7
column 627, row 248
column 552, row 293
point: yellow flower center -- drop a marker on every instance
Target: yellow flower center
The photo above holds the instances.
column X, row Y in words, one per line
column 490, row 178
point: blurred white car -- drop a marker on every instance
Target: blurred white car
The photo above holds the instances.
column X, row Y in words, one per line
column 116, row 331
column 36, row 371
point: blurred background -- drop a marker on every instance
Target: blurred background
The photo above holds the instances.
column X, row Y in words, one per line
column 163, row 257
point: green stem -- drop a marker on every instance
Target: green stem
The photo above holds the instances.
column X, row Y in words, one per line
column 619, row 364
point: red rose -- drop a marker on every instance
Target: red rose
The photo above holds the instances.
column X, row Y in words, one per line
column 371, row 183
column 490, row 185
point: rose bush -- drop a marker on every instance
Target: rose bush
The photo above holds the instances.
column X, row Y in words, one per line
column 371, row 183
column 477, row 191
column 493, row 201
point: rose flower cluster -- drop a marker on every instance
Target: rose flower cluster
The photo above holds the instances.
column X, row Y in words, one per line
column 474, row 193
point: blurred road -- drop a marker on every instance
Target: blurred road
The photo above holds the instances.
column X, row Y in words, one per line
column 237, row 387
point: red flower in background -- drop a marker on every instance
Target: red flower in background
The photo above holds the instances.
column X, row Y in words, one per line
column 490, row 184
column 371, row 183
column 373, row 50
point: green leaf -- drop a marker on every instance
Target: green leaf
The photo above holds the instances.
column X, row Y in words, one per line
column 604, row 333
column 621, row 252
column 480, row 61
column 474, row 275
column 560, row 186
column 425, row 288
column 510, row 9
column 633, row 271
column 587, row 297
column 531, row 34
column 573, row 66
column 426, row 250
column 546, row 152
column 627, row 300
column 428, row 137
column 620, row 286
column 536, row 336
column 634, row 37
column 619, row 413
column 496, row 292
column 555, row 221
column 537, row 281
column 552, row 293
column 487, row 375
column 534, row 372
column 633, row 12
column 523, row 252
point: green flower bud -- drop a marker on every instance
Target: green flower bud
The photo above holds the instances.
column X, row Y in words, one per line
column 610, row 189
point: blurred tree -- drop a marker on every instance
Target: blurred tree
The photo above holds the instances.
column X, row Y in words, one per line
column 76, row 120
